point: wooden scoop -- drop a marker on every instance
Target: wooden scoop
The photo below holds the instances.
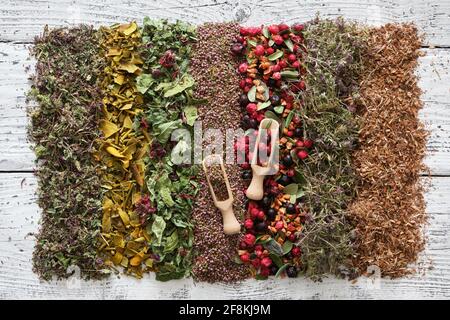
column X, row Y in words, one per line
column 256, row 191
column 230, row 223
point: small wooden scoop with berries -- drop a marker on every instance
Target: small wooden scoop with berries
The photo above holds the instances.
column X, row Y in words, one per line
column 220, row 189
column 263, row 168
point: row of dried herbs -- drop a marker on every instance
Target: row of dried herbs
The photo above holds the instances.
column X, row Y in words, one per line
column 334, row 68
column 116, row 192
column 167, row 88
column 273, row 89
column 124, row 236
column 63, row 127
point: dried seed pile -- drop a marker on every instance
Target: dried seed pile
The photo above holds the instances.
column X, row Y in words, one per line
column 63, row 128
column 218, row 182
column 214, row 70
column 389, row 210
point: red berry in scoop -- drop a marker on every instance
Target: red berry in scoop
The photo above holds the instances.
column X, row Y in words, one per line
column 273, row 29
column 242, row 84
column 296, row 64
column 302, row 154
column 292, row 237
column 296, row 251
column 276, row 76
column 283, row 64
column 269, row 51
column 276, row 68
column 259, row 50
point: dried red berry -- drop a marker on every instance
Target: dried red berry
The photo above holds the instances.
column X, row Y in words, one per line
column 251, row 108
column 245, row 257
column 273, row 29
column 302, row 154
column 243, row 67
column 249, row 239
column 259, row 50
column 308, row 143
column 278, row 39
column 296, row 251
column 248, row 224
column 276, row 76
column 244, row 31
column 266, row 262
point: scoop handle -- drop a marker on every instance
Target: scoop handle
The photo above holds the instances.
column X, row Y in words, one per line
column 230, row 224
column 255, row 190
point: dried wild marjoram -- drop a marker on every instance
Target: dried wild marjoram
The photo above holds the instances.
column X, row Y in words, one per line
column 124, row 238
column 63, row 128
column 333, row 61
column 389, row 210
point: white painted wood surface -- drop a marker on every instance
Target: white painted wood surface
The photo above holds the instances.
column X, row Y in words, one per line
column 21, row 20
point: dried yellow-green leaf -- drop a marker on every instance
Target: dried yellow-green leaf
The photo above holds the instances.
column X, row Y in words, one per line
column 114, row 152
column 108, row 128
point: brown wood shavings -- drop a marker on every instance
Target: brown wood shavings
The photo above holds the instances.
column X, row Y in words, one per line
column 389, row 210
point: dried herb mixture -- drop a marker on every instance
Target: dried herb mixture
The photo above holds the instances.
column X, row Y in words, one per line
column 63, row 128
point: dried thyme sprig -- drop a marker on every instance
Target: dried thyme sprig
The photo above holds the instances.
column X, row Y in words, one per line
column 334, row 66
column 63, row 127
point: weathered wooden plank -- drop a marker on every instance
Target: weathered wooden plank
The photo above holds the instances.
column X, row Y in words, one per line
column 19, row 216
column 16, row 155
column 22, row 20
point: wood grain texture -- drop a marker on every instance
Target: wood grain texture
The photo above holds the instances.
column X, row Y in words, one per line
column 19, row 217
column 21, row 20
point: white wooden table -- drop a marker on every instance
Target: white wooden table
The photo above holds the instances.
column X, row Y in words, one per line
column 21, row 20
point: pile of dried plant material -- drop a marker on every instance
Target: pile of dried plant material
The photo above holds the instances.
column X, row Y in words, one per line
column 170, row 178
column 214, row 70
column 63, row 128
column 124, row 238
column 115, row 135
column 389, row 210
column 334, row 65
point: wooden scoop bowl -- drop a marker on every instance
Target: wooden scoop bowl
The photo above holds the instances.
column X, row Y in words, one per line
column 255, row 190
column 230, row 223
